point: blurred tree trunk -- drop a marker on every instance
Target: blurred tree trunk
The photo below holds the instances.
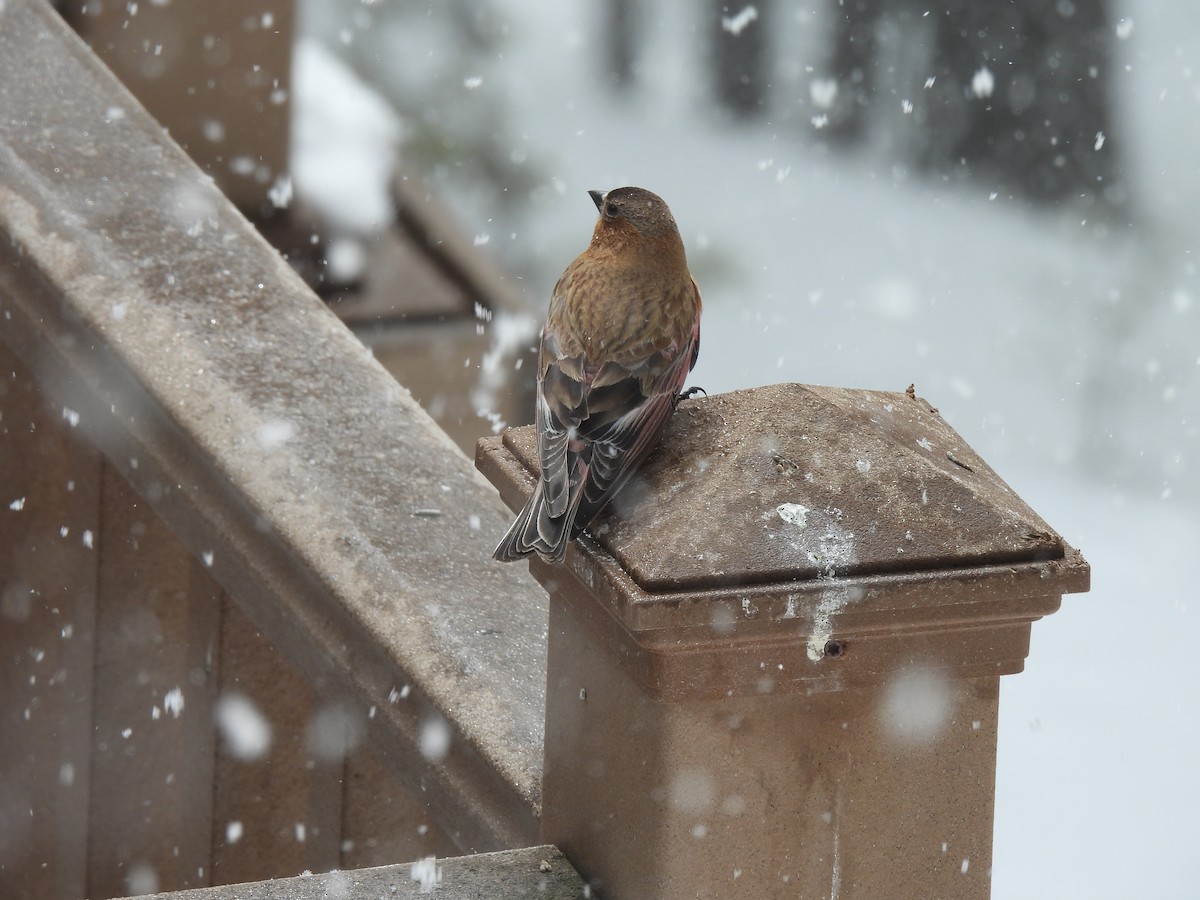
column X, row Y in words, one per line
column 1016, row 95
column 740, row 56
column 855, row 51
column 620, row 32
column 1044, row 127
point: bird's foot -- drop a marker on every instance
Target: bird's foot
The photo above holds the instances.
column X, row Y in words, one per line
column 688, row 393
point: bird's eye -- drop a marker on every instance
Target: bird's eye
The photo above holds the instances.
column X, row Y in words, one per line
column 610, row 208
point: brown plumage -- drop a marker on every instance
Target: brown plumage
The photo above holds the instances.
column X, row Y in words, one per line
column 622, row 334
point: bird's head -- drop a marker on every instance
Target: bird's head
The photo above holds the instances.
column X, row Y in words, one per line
column 633, row 209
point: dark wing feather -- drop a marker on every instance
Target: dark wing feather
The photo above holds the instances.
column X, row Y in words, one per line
column 619, row 444
column 543, row 525
column 618, row 454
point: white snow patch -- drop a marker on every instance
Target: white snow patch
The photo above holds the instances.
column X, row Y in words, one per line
column 722, row 619
column 793, row 513
column 141, row 879
column 983, row 82
column 835, row 878
column 274, row 433
column 509, row 334
column 435, row 737
column 823, row 92
column 334, row 731
column 692, row 791
column 346, row 258
column 242, row 165
column 738, row 23
column 833, row 599
column 340, row 885
column 245, row 730
column 280, row 192
column 192, row 207
column 173, row 702
column 344, row 148
column 427, row 873
column 213, row 130
column 917, row 704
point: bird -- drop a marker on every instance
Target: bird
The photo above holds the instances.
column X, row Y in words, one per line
column 621, row 336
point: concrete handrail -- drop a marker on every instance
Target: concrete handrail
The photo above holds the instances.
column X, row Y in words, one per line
column 325, row 501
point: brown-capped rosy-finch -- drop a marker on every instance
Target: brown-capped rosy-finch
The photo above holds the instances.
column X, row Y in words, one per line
column 622, row 334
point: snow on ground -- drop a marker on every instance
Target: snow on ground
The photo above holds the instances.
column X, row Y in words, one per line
column 1097, row 782
column 1069, row 360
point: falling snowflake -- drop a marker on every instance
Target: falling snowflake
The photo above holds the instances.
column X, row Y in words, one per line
column 983, row 83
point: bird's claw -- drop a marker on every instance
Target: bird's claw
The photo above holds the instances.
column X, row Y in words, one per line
column 688, row 393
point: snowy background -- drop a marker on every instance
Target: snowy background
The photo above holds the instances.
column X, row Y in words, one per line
column 1066, row 352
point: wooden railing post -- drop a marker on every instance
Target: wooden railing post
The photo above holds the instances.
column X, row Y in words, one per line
column 216, row 74
column 774, row 671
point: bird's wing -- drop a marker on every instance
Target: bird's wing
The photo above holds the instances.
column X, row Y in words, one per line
column 561, row 404
column 626, row 419
column 695, row 328
column 596, row 426
column 543, row 525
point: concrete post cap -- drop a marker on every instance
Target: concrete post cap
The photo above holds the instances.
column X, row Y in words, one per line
column 825, row 518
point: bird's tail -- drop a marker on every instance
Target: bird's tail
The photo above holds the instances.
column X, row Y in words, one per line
column 536, row 531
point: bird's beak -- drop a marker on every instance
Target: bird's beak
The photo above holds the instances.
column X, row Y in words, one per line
column 597, row 198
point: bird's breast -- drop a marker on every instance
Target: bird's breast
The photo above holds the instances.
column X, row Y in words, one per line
column 617, row 315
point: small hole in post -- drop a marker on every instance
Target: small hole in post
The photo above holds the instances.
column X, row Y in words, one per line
column 834, row 649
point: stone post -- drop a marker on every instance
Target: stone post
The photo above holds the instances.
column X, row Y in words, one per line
column 774, row 665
